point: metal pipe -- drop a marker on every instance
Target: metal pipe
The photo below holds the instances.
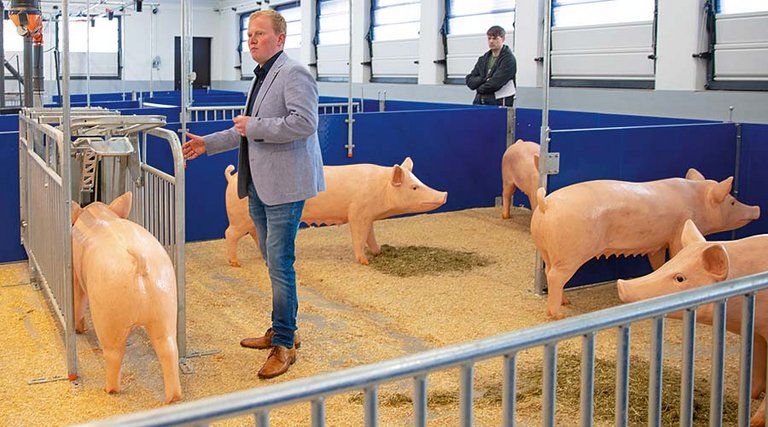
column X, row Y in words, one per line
column 88, row 56
column 28, row 100
column 548, row 385
column 622, row 376
column 718, row 365
column 587, row 378
column 508, row 396
column 37, row 75
column 318, row 412
column 2, row 58
column 745, row 368
column 540, row 279
column 350, row 120
column 186, row 65
column 687, row 371
column 371, row 406
column 466, row 394
column 69, row 331
column 655, row 373
column 420, row 400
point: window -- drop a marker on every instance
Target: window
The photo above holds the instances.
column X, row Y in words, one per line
column 333, row 22
column 466, row 22
column 104, row 43
column 332, row 40
column 737, row 45
column 741, row 6
column 475, row 17
column 572, row 13
column 396, row 19
column 603, row 43
column 246, row 62
column 292, row 14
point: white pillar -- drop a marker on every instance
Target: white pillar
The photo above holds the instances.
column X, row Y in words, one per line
column 529, row 28
column 431, row 42
column 308, row 28
column 360, row 51
column 681, row 33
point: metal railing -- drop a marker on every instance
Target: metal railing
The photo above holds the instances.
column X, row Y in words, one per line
column 111, row 159
column 229, row 112
column 368, row 378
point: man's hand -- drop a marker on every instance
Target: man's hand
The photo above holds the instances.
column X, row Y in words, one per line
column 193, row 147
column 240, row 123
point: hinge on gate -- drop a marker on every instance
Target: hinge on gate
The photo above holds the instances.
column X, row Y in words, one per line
column 552, row 166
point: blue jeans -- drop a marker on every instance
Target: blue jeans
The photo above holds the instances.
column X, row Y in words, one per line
column 277, row 227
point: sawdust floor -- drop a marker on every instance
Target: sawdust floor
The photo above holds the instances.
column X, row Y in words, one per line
column 348, row 315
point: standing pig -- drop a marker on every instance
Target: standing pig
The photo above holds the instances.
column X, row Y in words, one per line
column 702, row 263
column 586, row 220
column 128, row 280
column 519, row 169
column 356, row 194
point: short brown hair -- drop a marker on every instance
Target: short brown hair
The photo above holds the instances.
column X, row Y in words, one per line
column 278, row 22
column 496, row 31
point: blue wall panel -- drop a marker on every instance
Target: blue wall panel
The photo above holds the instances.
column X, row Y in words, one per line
column 9, row 123
column 10, row 237
column 753, row 176
column 639, row 154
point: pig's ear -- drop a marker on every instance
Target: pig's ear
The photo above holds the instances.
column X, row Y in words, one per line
column 716, row 262
column 721, row 189
column 122, row 205
column 407, row 164
column 691, row 234
column 536, row 161
column 397, row 175
column 694, row 175
column 75, row 209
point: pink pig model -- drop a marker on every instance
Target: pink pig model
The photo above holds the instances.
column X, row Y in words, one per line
column 586, row 220
column 519, row 169
column 702, row 263
column 355, row 194
column 128, row 279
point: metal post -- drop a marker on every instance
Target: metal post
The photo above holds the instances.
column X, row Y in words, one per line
column 151, row 51
column 371, row 406
column 655, row 373
column 549, row 385
column 350, row 120
column 587, row 379
column 466, row 394
column 186, row 64
column 540, row 279
column 28, row 102
column 718, row 364
column 66, row 179
column 687, row 371
column 88, row 54
column 508, row 399
column 622, row 376
column 745, row 369
column 2, row 60
column 420, row 401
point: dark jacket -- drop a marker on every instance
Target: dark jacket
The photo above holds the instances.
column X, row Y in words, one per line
column 504, row 70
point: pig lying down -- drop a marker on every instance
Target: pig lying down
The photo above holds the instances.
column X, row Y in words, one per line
column 356, row 194
column 519, row 169
column 602, row 218
column 702, row 263
column 128, row 280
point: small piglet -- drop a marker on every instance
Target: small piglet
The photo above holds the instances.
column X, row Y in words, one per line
column 356, row 194
column 519, row 169
column 586, row 220
column 700, row 263
column 128, row 279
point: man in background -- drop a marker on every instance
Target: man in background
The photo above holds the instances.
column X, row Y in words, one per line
column 493, row 77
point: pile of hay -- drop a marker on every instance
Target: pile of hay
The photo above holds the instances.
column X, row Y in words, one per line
column 424, row 260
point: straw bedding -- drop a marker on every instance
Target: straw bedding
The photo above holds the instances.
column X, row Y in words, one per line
column 473, row 279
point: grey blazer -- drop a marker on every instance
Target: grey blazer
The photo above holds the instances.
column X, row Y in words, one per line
column 283, row 150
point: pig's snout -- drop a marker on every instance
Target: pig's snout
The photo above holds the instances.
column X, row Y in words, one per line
column 444, row 198
column 755, row 212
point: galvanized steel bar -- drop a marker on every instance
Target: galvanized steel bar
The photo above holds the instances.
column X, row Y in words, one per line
column 745, row 363
column 655, row 373
column 356, row 378
column 622, row 375
column 466, row 393
column 587, row 379
column 371, row 406
column 687, row 370
column 718, row 364
column 66, row 218
column 261, row 418
column 420, row 400
column 509, row 392
column 318, row 412
column 549, row 385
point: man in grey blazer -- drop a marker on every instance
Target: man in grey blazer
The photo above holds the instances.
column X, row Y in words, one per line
column 280, row 166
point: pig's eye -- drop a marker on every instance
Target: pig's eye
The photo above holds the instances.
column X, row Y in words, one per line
column 414, row 187
column 733, row 202
column 679, row 278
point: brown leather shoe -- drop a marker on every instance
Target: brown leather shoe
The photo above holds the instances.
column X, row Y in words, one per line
column 279, row 360
column 265, row 342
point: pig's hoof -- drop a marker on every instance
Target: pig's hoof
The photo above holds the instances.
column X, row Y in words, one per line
column 174, row 398
column 505, row 216
column 363, row 261
column 110, row 390
column 234, row 263
column 565, row 300
column 556, row 316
